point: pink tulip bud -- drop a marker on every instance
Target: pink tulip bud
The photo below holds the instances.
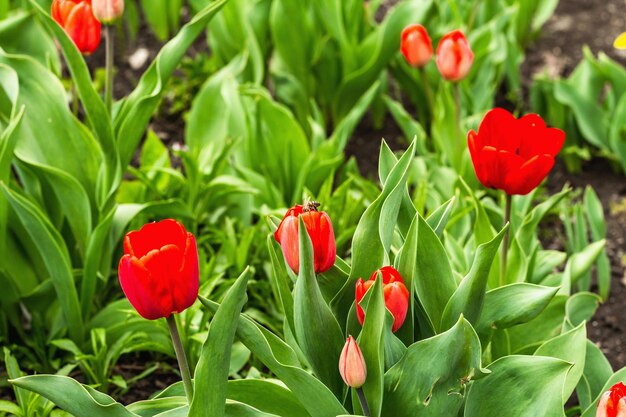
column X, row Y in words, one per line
column 454, row 56
column 352, row 364
column 613, row 402
column 108, row 11
column 416, row 46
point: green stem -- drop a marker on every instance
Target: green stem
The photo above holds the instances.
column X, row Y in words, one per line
column 182, row 358
column 427, row 91
column 108, row 84
column 458, row 156
column 505, row 241
column 364, row 406
column 74, row 99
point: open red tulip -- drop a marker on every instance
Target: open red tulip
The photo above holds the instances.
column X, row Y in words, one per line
column 77, row 19
column 511, row 154
column 159, row 270
column 395, row 293
column 613, row 402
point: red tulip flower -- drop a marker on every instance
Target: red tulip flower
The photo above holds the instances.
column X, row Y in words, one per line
column 352, row 364
column 395, row 293
column 416, row 45
column 454, row 56
column 511, row 154
column 159, row 269
column 320, row 230
column 613, row 402
column 108, row 11
column 77, row 19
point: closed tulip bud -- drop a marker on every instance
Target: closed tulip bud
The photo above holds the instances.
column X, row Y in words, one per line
column 395, row 293
column 454, row 56
column 513, row 155
column 613, row 402
column 320, row 230
column 352, row 364
column 108, row 11
column 416, row 45
column 77, row 19
column 159, row 270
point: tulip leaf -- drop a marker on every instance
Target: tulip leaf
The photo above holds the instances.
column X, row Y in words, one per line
column 282, row 361
column 213, row 366
column 266, row 396
column 597, row 371
column 527, row 232
column 420, row 386
column 407, row 266
column 73, row 397
column 316, row 329
column 154, row 406
column 281, row 281
column 55, row 256
column 619, row 376
column 597, row 226
column 538, row 388
column 469, row 297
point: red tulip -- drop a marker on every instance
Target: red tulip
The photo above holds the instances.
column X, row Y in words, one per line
column 77, row 19
column 416, row 45
column 613, row 402
column 320, row 230
column 454, row 56
column 352, row 364
column 159, row 269
column 511, row 154
column 395, row 293
column 108, row 11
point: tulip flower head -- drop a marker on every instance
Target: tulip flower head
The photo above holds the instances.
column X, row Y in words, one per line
column 416, row 45
column 454, row 56
column 395, row 293
column 620, row 41
column 613, row 402
column 514, row 155
column 108, row 11
column 159, row 270
column 77, row 19
column 320, row 230
column 352, row 364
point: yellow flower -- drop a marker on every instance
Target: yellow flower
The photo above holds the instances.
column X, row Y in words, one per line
column 620, row 42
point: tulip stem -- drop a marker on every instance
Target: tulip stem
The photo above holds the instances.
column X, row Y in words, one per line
column 364, row 406
column 180, row 355
column 108, row 83
column 457, row 139
column 505, row 241
column 427, row 91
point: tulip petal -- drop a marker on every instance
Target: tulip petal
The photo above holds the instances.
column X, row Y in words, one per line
column 136, row 283
column 289, row 242
column 529, row 175
column 155, row 236
column 164, row 265
column 186, row 291
column 537, row 139
column 497, row 129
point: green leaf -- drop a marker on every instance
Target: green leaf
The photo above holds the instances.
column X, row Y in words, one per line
column 420, row 386
column 618, row 376
column 267, row 396
column 469, row 297
column 316, row 329
column 77, row 399
column 597, row 371
column 212, row 370
column 538, row 388
column 597, row 226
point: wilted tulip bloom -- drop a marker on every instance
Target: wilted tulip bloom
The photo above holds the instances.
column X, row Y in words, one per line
column 108, row 11
column 159, row 269
column 320, row 230
column 394, row 290
column 511, row 154
column 613, row 402
column 77, row 19
column 416, row 46
column 454, row 56
column 352, row 364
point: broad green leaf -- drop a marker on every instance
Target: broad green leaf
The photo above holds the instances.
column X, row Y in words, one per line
column 212, row 370
column 281, row 281
column 581, row 307
column 597, row 371
column 538, row 383
column 267, row 396
column 597, row 226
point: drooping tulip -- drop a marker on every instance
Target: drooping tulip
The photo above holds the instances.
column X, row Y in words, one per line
column 613, row 402
column 416, row 46
column 454, row 56
column 79, row 22
column 320, row 230
column 352, row 364
column 159, row 270
column 395, row 293
column 108, row 11
column 511, row 154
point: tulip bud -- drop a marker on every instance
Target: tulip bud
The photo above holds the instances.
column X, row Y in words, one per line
column 77, row 19
column 320, row 230
column 395, row 293
column 613, row 402
column 159, row 270
column 454, row 56
column 416, row 45
column 108, row 11
column 352, row 364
